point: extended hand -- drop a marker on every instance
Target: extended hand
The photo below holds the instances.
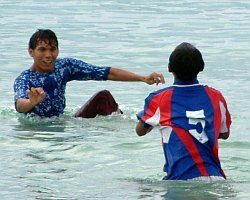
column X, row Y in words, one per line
column 154, row 78
column 36, row 95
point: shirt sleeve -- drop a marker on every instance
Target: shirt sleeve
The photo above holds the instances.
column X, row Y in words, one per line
column 225, row 116
column 150, row 115
column 80, row 70
column 20, row 87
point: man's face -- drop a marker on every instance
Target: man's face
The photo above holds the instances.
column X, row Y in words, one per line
column 44, row 56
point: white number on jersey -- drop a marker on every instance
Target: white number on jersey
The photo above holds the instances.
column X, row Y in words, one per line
column 197, row 118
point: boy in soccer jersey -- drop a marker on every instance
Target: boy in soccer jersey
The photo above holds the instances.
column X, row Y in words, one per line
column 191, row 117
column 40, row 90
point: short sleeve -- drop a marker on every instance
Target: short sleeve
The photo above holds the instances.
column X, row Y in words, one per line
column 20, row 87
column 225, row 116
column 80, row 70
column 150, row 115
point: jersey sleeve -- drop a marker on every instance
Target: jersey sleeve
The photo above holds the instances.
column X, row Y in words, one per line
column 150, row 115
column 80, row 70
column 225, row 116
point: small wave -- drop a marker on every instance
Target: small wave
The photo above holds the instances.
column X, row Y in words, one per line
column 154, row 188
column 8, row 111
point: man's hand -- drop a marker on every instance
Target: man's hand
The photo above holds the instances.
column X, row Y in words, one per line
column 154, row 78
column 141, row 130
column 225, row 135
column 36, row 95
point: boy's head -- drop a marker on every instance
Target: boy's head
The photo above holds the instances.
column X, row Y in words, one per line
column 186, row 62
column 44, row 35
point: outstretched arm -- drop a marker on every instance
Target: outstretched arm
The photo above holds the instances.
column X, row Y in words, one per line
column 116, row 74
column 36, row 95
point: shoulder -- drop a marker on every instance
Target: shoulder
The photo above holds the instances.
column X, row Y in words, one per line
column 67, row 64
column 212, row 91
column 159, row 94
column 214, row 94
column 163, row 91
column 71, row 63
column 68, row 60
column 24, row 75
column 25, row 72
column 63, row 61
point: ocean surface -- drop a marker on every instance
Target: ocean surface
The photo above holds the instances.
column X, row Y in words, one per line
column 70, row 158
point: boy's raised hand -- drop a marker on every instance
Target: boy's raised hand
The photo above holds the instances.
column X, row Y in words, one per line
column 36, row 95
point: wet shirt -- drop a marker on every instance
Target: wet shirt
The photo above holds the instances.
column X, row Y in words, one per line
column 190, row 117
column 54, row 84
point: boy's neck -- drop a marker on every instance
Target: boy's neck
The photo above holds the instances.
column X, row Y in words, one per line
column 180, row 82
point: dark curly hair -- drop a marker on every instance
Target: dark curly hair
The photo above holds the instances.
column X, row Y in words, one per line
column 186, row 62
column 43, row 35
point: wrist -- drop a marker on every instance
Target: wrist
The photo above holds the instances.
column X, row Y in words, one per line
column 32, row 104
column 143, row 79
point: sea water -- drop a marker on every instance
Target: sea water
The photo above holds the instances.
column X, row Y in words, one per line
column 102, row 158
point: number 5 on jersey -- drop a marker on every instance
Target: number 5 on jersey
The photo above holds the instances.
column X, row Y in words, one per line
column 197, row 119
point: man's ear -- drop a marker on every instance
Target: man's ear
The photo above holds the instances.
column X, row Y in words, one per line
column 30, row 52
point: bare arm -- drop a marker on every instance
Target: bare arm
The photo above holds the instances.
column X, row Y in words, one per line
column 36, row 95
column 24, row 105
column 141, row 130
column 116, row 74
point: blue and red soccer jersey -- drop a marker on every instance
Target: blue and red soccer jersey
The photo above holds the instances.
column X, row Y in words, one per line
column 190, row 117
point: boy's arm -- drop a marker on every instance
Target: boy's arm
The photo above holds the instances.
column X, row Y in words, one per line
column 141, row 129
column 116, row 74
column 23, row 105
column 36, row 95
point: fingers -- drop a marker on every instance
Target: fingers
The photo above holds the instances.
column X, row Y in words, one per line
column 162, row 78
column 36, row 95
column 36, row 91
column 157, row 78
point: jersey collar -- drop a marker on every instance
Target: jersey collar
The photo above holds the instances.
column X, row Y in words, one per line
column 186, row 83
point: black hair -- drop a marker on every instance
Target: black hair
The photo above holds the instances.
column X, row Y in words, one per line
column 186, row 62
column 43, row 35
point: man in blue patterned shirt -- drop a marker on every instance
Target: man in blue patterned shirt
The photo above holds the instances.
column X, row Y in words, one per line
column 40, row 90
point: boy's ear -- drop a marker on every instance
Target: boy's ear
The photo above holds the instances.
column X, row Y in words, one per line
column 30, row 52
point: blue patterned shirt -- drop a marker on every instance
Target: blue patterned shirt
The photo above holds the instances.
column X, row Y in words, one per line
column 54, row 84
